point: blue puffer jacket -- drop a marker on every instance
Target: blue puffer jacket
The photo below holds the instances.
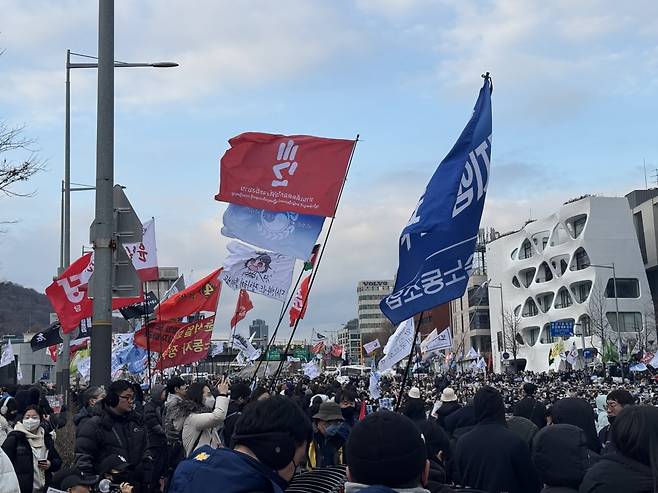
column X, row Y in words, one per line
column 211, row 470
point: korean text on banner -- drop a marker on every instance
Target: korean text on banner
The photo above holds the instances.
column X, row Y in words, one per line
column 436, row 246
column 296, row 173
column 288, row 233
column 144, row 255
column 189, row 345
column 203, row 295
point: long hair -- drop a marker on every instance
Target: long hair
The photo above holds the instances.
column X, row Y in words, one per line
column 635, row 435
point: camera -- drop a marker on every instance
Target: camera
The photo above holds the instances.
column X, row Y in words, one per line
column 107, row 486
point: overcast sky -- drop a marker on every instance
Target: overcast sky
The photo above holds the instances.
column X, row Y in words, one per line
column 574, row 108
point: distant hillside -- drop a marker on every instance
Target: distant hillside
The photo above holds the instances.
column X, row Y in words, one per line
column 22, row 309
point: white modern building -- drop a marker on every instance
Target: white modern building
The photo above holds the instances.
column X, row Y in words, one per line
column 560, row 268
column 369, row 294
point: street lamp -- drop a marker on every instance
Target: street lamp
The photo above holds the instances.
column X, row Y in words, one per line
column 502, row 312
column 614, row 280
column 62, row 375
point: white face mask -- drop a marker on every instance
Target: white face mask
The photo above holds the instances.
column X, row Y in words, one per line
column 31, row 424
column 209, row 401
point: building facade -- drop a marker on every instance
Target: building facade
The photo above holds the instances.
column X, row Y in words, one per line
column 470, row 317
column 260, row 330
column 560, row 269
column 369, row 294
column 167, row 276
column 349, row 337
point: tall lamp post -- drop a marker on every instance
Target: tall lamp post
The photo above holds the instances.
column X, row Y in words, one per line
column 502, row 311
column 614, row 280
column 62, row 372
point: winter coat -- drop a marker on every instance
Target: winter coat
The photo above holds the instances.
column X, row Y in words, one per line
column 84, row 414
column 109, row 433
column 436, row 481
column 493, row 458
column 8, row 479
column 200, row 426
column 461, row 418
column 523, row 427
column 561, row 456
column 212, row 470
column 558, row 489
column 602, row 412
column 324, row 452
column 232, row 415
column 5, row 429
column 363, row 488
column 530, row 408
column 173, row 428
column 18, row 449
column 615, row 473
column 446, row 409
column 577, row 412
column 157, row 439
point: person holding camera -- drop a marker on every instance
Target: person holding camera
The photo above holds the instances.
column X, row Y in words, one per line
column 116, row 474
column 32, row 451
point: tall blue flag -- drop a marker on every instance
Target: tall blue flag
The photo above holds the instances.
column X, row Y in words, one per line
column 438, row 242
column 287, row 233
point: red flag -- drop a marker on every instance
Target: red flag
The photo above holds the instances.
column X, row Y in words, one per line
column 243, row 306
column 318, row 348
column 362, row 413
column 189, row 345
column 53, row 352
column 336, row 350
column 295, row 173
column 68, row 294
column 160, row 333
column 203, row 295
column 298, row 308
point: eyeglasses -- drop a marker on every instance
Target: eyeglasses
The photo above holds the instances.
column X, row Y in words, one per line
column 129, row 398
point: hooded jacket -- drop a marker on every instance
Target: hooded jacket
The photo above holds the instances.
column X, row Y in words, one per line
column 362, row 488
column 577, row 412
column 615, row 473
column 561, row 456
column 602, row 412
column 523, row 427
column 530, row 408
column 211, row 470
column 154, row 419
column 491, row 457
column 8, row 479
column 446, row 409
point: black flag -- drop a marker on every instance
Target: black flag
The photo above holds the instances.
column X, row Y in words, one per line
column 47, row 337
column 140, row 309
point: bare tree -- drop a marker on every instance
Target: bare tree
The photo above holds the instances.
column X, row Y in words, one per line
column 649, row 335
column 599, row 323
column 511, row 336
column 18, row 160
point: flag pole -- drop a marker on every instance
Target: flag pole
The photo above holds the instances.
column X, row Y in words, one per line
column 411, row 355
column 317, row 266
column 148, row 338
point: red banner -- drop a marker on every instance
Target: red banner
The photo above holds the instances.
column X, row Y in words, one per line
column 241, row 309
column 189, row 345
column 298, row 308
column 160, row 333
column 68, row 294
column 203, row 295
column 285, row 173
column 336, row 350
column 318, row 348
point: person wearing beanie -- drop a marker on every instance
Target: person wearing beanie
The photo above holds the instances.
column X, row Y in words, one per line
column 386, row 453
column 270, row 440
column 529, row 407
column 157, row 438
column 491, row 457
column 561, row 457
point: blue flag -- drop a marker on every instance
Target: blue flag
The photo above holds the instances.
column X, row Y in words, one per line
column 287, row 233
column 438, row 242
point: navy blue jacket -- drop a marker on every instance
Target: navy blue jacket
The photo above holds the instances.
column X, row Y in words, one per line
column 211, row 470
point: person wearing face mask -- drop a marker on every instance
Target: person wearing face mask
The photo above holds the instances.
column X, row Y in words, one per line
column 329, row 437
column 117, row 470
column 202, row 415
column 270, row 437
column 32, row 452
column 347, row 400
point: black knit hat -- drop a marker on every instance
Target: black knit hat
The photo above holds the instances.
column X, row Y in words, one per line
column 386, row 449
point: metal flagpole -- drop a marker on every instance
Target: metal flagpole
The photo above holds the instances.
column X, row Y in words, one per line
column 148, row 336
column 411, row 355
column 317, row 266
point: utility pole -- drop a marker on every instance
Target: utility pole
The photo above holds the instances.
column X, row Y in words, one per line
column 102, row 229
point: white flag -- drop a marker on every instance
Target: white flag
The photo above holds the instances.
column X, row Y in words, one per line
column 481, row 364
column 441, row 341
column 217, row 348
column 19, row 372
column 654, row 361
column 371, row 346
column 311, row 370
column 472, row 354
column 249, row 352
column 426, row 342
column 144, row 255
column 572, row 357
column 7, row 356
column 373, row 385
column 257, row 271
column 399, row 345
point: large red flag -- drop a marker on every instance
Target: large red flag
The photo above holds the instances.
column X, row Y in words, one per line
column 243, row 306
column 68, row 294
column 203, row 295
column 336, row 350
column 318, row 348
column 160, row 334
column 284, row 173
column 298, row 308
column 189, row 345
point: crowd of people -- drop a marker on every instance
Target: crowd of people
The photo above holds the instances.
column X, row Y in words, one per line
column 521, row 433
